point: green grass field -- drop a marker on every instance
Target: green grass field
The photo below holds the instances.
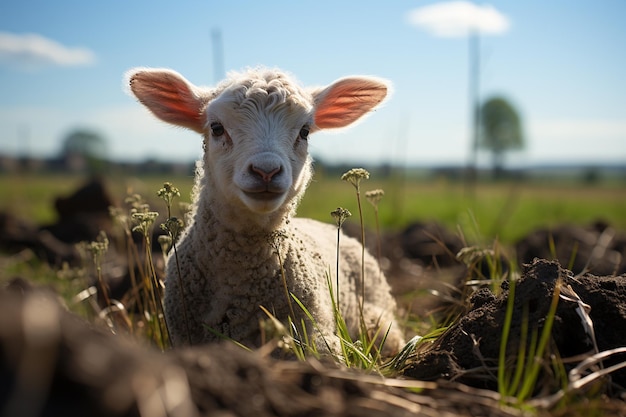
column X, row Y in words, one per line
column 503, row 210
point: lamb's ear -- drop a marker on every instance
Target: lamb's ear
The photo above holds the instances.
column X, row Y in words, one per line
column 169, row 96
column 347, row 100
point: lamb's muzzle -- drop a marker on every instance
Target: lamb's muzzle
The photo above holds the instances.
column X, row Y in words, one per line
column 255, row 169
column 264, row 181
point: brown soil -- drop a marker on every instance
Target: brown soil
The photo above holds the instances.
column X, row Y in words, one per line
column 472, row 345
column 53, row 363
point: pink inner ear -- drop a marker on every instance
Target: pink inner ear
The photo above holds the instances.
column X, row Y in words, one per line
column 169, row 97
column 345, row 101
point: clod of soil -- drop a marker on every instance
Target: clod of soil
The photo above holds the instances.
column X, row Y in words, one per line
column 468, row 352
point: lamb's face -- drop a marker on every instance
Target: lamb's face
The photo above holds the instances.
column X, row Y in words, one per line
column 256, row 134
column 255, row 127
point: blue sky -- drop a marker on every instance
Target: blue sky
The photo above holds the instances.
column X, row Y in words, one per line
column 561, row 63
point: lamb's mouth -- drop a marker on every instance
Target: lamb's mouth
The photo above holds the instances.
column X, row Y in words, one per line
column 263, row 195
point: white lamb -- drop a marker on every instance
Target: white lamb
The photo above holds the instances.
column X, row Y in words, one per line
column 255, row 169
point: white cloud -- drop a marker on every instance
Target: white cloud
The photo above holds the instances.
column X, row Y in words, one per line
column 33, row 51
column 458, row 18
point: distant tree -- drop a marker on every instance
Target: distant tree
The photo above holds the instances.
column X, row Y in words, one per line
column 84, row 149
column 501, row 130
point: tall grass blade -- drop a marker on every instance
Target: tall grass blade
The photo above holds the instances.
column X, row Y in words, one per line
column 503, row 383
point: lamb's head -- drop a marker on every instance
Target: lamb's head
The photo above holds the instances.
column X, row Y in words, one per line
column 256, row 125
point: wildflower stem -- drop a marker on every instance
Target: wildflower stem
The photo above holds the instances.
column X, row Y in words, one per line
column 155, row 293
column 98, row 248
column 340, row 215
column 378, row 246
column 374, row 198
column 182, row 294
column 358, row 199
column 354, row 176
column 131, row 249
column 337, row 275
column 105, row 289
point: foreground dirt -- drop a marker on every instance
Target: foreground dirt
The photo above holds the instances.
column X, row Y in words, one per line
column 53, row 363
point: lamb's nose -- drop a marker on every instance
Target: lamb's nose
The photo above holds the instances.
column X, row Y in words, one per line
column 264, row 174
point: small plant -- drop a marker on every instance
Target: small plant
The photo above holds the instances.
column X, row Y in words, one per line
column 122, row 219
column 168, row 193
column 98, row 249
column 353, row 352
column 361, row 353
column 486, row 266
column 521, row 382
column 173, row 226
column 143, row 219
column 354, row 177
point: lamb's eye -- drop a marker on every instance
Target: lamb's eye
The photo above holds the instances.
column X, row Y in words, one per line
column 217, row 129
column 304, row 133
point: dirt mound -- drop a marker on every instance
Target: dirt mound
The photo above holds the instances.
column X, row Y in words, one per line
column 18, row 234
column 81, row 216
column 598, row 248
column 470, row 348
column 430, row 243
